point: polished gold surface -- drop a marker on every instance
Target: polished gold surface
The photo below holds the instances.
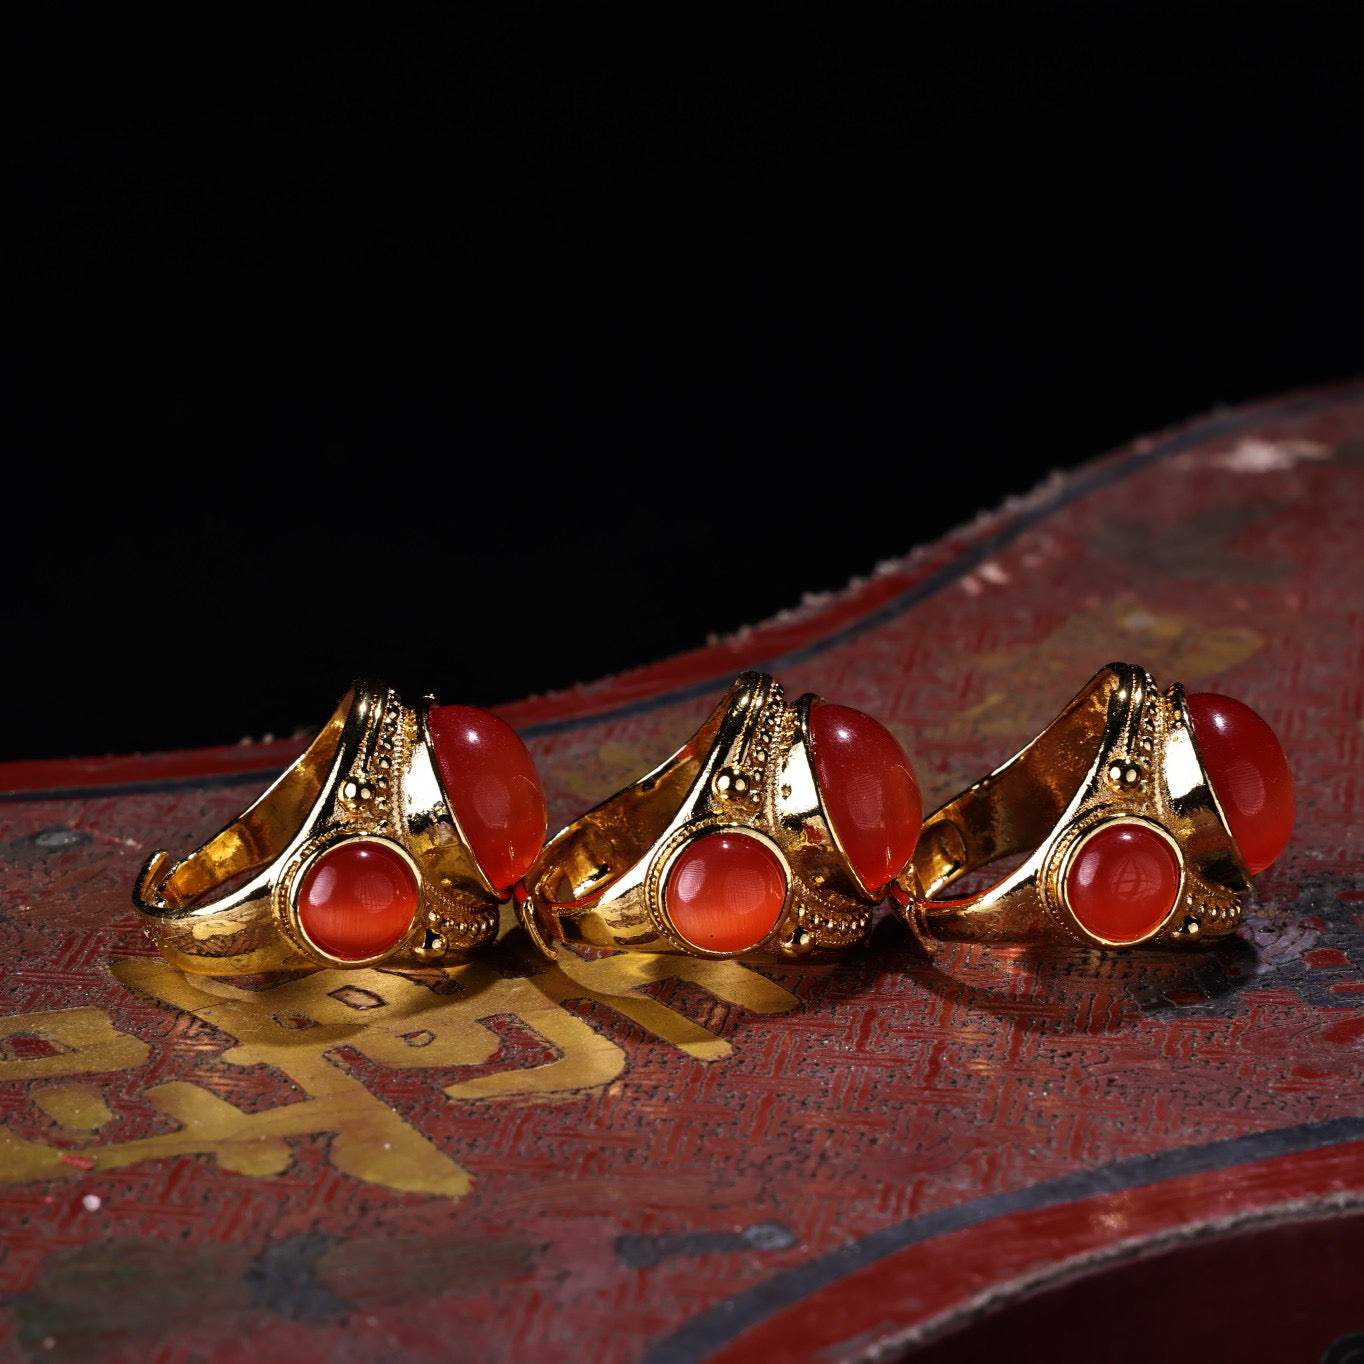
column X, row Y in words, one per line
column 1120, row 750
column 228, row 908
column 599, row 881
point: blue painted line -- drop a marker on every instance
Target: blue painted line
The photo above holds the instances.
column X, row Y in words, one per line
column 262, row 778
column 1077, row 486
column 718, row 1326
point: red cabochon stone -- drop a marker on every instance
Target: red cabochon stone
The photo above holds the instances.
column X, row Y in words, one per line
column 1249, row 771
column 724, row 892
column 357, row 899
column 870, row 792
column 1122, row 882
column 493, row 787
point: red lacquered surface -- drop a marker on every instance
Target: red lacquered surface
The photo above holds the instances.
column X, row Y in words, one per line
column 1272, row 1247
column 655, row 1161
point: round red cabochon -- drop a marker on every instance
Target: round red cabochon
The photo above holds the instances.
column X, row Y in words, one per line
column 356, row 899
column 1122, row 882
column 725, row 891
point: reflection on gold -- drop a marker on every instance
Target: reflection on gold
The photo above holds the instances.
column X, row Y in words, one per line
column 300, row 1028
column 586, row 1058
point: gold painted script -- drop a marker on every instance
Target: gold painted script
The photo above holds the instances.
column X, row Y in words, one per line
column 394, row 1021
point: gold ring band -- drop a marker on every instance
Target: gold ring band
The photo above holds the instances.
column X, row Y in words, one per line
column 1119, row 834
column 356, row 855
column 742, row 844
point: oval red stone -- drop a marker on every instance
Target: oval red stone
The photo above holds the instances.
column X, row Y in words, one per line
column 870, row 792
column 493, row 787
column 1249, row 772
column 724, row 892
column 357, row 899
column 1122, row 882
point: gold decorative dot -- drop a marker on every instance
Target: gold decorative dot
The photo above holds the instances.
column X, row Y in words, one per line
column 1124, row 774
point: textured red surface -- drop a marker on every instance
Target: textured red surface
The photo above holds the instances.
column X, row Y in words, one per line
column 624, row 1160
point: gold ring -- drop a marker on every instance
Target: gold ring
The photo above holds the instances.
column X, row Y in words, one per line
column 393, row 839
column 1135, row 818
column 772, row 834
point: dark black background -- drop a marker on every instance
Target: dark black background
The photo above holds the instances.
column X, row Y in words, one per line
column 491, row 348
